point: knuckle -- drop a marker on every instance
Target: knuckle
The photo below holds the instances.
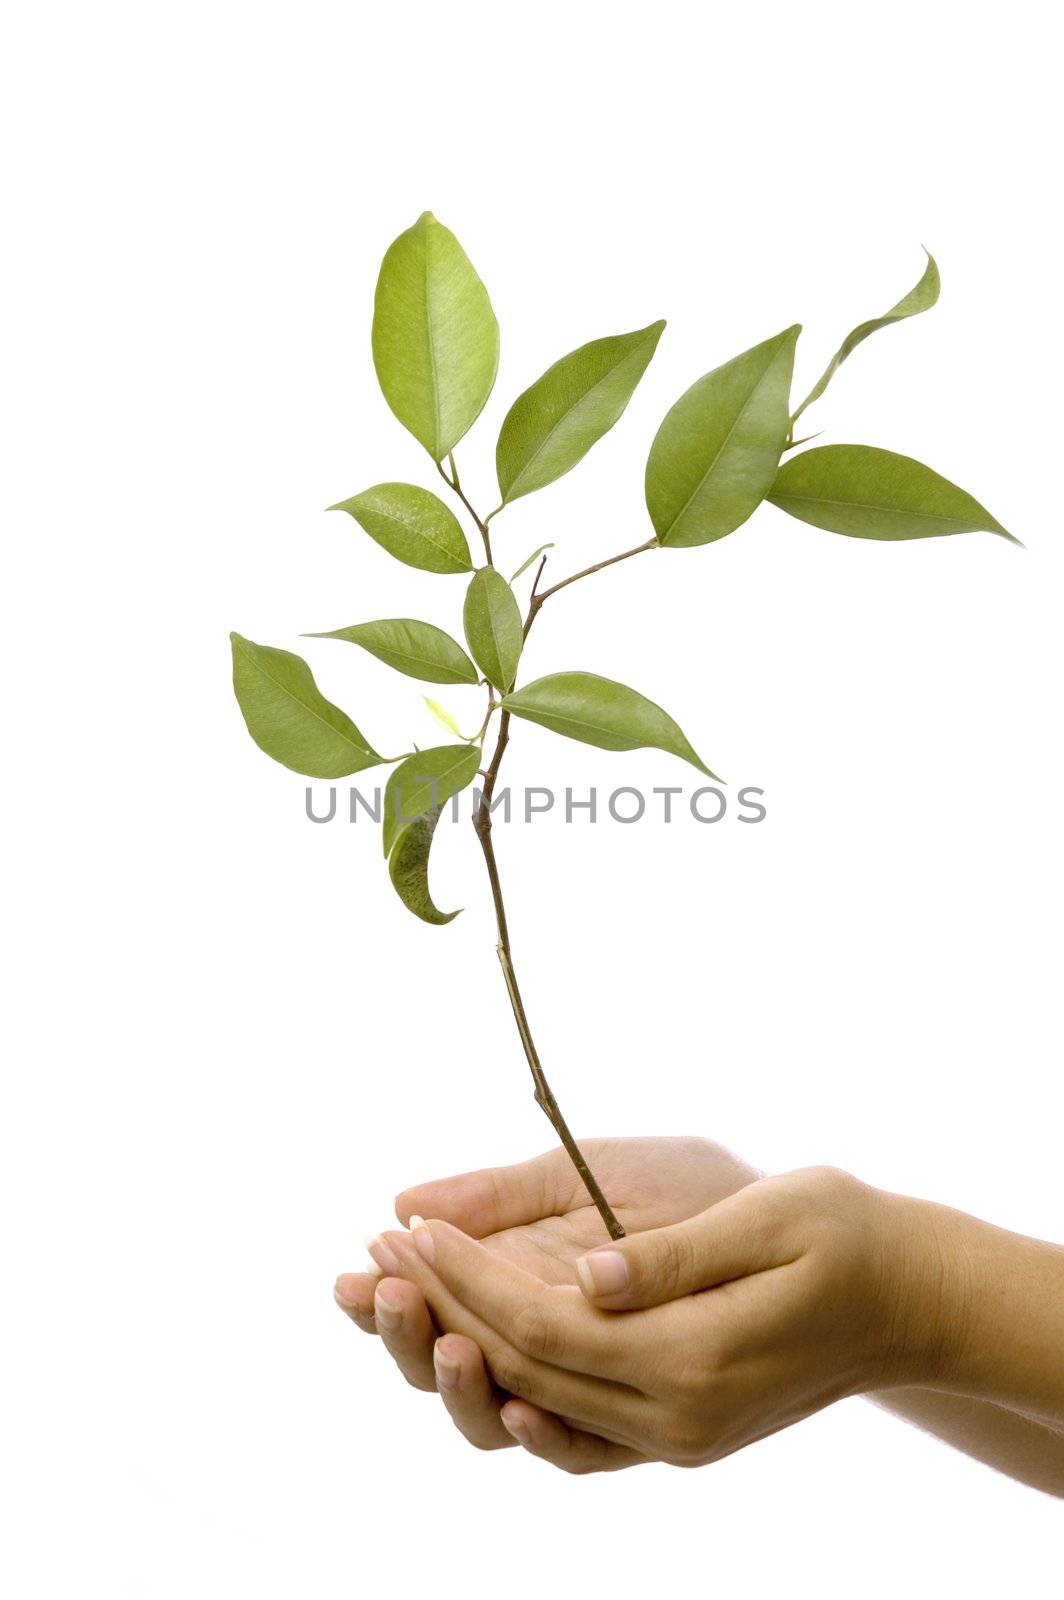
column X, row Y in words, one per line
column 693, row 1376
column 838, row 1204
column 684, row 1438
column 675, row 1261
column 537, row 1334
column 830, row 1184
column 510, row 1375
column 684, row 1445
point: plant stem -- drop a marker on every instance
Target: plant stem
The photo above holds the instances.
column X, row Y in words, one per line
column 544, row 1095
column 493, row 706
column 453, row 483
column 482, row 824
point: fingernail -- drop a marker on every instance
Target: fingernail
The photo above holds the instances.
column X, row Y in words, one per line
column 516, row 1428
column 448, row 1372
column 384, row 1256
column 346, row 1288
column 423, row 1240
column 603, row 1272
column 388, row 1315
column 371, row 1266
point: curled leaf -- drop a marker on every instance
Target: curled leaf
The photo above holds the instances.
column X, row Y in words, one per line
column 425, row 782
column 408, row 868
column 920, row 298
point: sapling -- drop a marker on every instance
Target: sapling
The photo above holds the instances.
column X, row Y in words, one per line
column 718, row 453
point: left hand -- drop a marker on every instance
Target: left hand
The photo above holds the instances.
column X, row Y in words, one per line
column 788, row 1295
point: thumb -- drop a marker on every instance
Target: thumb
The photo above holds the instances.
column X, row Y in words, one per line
column 740, row 1236
column 484, row 1202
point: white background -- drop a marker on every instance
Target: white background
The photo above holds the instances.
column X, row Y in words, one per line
column 231, row 1043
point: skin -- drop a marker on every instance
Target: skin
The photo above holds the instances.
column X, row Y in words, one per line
column 749, row 1303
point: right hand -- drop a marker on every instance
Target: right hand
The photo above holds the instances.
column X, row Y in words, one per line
column 536, row 1215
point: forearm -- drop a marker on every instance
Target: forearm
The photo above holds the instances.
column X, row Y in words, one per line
column 1028, row 1451
column 992, row 1378
column 1006, row 1319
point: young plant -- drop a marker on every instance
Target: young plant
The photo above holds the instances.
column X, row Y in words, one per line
column 716, row 456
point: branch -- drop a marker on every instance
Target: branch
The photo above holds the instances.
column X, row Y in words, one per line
column 537, row 600
column 482, row 824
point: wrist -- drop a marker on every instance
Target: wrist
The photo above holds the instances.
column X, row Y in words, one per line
column 976, row 1310
column 931, row 1293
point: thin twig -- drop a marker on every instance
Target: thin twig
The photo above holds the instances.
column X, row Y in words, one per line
column 453, row 483
column 538, row 600
column 535, row 580
column 482, row 823
column 649, row 544
column 544, row 1095
column 478, row 737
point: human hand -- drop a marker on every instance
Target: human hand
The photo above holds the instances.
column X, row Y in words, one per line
column 537, row 1217
column 780, row 1299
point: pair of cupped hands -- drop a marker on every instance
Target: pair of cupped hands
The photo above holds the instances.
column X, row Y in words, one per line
column 736, row 1304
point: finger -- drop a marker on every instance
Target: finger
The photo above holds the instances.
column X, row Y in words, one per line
column 742, row 1235
column 403, row 1321
column 467, row 1391
column 544, row 1435
column 353, row 1293
column 551, row 1323
column 497, row 1197
column 591, row 1401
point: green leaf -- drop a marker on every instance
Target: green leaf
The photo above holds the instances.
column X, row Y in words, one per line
column 875, row 494
column 435, row 337
column 553, row 425
column 493, row 627
column 533, row 557
column 416, row 648
column 289, row 717
column 425, row 782
column 443, row 716
column 920, row 298
column 408, row 868
column 715, row 455
column 412, row 524
column 598, row 711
